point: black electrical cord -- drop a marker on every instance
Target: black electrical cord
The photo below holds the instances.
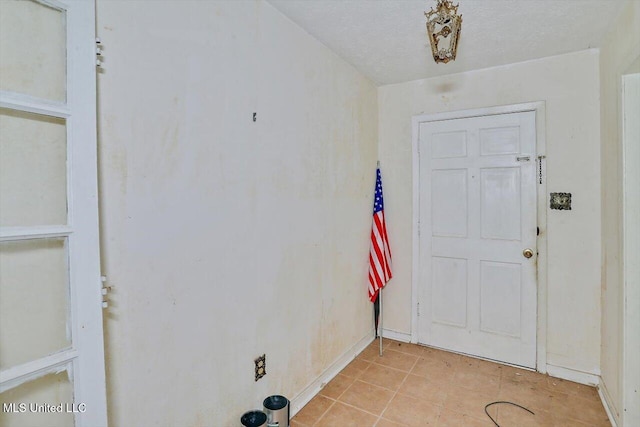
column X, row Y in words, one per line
column 509, row 403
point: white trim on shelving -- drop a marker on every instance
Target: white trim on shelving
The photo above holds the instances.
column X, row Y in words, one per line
column 30, row 104
column 20, row 233
column 16, row 375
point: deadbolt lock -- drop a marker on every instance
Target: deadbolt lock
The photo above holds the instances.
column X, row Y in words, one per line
column 528, row 253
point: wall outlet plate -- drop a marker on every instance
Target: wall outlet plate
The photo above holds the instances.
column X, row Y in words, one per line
column 560, row 201
column 261, row 366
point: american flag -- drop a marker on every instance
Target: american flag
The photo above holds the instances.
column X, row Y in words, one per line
column 379, row 253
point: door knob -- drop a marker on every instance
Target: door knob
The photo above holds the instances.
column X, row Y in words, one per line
column 528, row 253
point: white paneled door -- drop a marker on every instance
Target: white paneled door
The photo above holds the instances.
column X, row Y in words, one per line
column 477, row 236
column 51, row 343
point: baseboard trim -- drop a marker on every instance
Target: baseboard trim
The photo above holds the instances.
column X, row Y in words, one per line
column 312, row 389
column 581, row 377
column 395, row 335
column 607, row 402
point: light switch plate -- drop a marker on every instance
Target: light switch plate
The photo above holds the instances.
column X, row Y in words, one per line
column 560, row 201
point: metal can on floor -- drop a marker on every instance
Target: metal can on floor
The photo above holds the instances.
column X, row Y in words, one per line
column 277, row 409
column 254, row 419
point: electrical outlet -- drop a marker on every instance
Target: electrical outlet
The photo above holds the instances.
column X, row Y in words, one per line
column 261, row 366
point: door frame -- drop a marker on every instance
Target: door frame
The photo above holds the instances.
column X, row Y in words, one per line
column 539, row 109
column 630, row 240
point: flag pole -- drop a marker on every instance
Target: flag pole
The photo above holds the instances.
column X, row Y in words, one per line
column 380, row 322
column 380, row 300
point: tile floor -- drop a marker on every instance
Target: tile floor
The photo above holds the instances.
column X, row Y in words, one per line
column 420, row 386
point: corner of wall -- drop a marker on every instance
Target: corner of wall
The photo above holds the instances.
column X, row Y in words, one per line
column 607, row 402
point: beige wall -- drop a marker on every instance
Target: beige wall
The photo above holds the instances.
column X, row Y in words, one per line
column 224, row 238
column 621, row 49
column 569, row 86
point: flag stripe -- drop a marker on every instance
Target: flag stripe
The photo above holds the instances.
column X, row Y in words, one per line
column 378, row 274
column 380, row 241
column 386, row 246
column 376, row 253
column 371, row 282
column 381, row 246
column 375, row 271
column 375, row 282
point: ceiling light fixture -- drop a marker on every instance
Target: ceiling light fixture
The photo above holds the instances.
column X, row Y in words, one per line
column 443, row 28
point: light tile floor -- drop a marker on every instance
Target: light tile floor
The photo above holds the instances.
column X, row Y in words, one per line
column 412, row 385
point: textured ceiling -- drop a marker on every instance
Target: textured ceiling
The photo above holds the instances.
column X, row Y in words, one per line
column 386, row 39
